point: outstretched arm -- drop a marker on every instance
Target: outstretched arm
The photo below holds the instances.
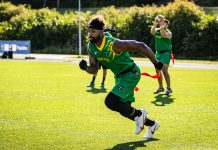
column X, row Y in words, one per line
column 135, row 46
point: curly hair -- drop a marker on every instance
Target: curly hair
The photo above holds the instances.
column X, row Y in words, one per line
column 97, row 22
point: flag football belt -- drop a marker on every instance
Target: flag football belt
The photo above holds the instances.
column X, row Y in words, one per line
column 147, row 74
column 163, row 51
column 171, row 54
column 130, row 69
column 126, row 71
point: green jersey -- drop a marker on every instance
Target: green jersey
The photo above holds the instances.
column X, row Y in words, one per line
column 106, row 56
column 107, row 34
column 162, row 44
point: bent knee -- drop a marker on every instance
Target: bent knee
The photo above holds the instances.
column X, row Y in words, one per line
column 111, row 101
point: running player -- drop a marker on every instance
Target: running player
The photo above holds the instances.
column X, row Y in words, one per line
column 113, row 53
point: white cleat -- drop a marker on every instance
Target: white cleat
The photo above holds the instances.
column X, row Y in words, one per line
column 150, row 132
column 168, row 91
column 140, row 121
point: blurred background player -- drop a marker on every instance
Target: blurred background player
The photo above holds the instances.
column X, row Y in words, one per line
column 92, row 83
column 163, row 47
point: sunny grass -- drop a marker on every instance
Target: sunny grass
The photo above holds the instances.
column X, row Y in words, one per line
column 46, row 105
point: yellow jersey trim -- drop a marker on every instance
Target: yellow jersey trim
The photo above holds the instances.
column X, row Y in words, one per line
column 102, row 43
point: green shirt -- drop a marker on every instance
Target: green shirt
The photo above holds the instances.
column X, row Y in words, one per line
column 106, row 56
column 107, row 34
column 162, row 43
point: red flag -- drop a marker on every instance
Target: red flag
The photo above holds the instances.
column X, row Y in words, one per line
column 136, row 88
column 154, row 76
column 172, row 56
column 146, row 74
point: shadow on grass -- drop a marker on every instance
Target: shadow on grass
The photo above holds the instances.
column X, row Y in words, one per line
column 96, row 91
column 163, row 100
column 132, row 145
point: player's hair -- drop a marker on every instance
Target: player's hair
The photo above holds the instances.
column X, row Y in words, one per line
column 97, row 22
column 161, row 17
column 167, row 21
column 164, row 19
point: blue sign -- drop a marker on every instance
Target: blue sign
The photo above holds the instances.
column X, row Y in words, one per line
column 18, row 47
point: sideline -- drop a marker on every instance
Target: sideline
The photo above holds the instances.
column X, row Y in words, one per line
column 76, row 60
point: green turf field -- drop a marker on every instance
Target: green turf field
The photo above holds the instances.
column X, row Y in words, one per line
column 46, row 105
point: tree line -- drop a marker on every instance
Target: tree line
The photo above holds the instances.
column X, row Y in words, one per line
column 195, row 34
column 36, row 4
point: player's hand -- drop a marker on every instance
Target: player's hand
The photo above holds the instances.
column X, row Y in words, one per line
column 156, row 21
column 158, row 65
column 162, row 26
column 83, row 65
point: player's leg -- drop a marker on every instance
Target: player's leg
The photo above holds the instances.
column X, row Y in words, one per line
column 121, row 97
column 92, row 83
column 141, row 121
column 166, row 60
column 104, row 77
column 127, row 115
column 160, row 82
column 123, row 92
column 148, row 122
column 160, row 79
column 152, row 125
column 167, row 79
column 114, row 103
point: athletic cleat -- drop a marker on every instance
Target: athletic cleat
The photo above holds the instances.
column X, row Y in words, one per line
column 92, row 84
column 140, row 121
column 168, row 91
column 160, row 89
column 102, row 85
column 151, row 130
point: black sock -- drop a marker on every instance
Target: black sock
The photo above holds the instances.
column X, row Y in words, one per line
column 149, row 122
column 137, row 113
column 93, row 79
column 103, row 79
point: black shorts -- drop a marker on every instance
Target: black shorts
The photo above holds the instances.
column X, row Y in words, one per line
column 101, row 66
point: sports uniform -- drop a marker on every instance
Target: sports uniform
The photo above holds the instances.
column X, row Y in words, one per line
column 92, row 83
column 127, row 74
column 163, row 47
